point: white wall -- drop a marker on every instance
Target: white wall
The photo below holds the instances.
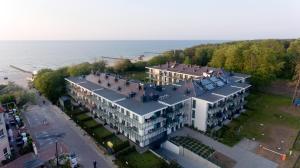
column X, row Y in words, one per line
column 200, row 114
column 193, row 156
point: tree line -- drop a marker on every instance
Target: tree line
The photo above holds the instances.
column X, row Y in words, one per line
column 265, row 60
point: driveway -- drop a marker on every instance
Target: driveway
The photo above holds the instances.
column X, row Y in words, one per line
column 242, row 156
column 48, row 124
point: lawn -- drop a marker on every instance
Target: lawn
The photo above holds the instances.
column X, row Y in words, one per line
column 144, row 160
column 263, row 109
column 82, row 117
column 91, row 123
column 115, row 140
column 101, row 132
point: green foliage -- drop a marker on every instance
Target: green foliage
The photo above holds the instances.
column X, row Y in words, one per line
column 123, row 65
column 262, row 108
column 51, row 83
column 158, row 60
column 7, row 98
column 137, row 160
column 99, row 66
column 24, row 96
column 80, row 69
column 187, row 60
column 265, row 60
column 202, row 55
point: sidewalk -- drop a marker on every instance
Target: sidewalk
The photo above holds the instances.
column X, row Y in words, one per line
column 243, row 157
column 89, row 140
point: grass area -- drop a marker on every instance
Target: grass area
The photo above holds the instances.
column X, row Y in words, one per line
column 193, row 145
column 262, row 108
column 101, row 132
column 296, row 144
column 91, row 123
column 137, row 160
column 82, row 117
column 115, row 140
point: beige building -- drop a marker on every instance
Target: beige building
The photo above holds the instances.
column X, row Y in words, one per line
column 172, row 72
column 4, row 143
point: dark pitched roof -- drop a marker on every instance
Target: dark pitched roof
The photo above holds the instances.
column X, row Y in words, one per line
column 90, row 85
column 187, row 69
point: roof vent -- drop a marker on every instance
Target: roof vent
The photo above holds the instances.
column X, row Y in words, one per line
column 132, row 94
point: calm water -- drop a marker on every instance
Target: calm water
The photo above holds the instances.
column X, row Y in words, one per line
column 34, row 55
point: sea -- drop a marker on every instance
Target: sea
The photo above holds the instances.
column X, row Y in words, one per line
column 35, row 55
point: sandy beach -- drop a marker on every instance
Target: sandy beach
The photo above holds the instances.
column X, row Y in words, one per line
column 20, row 78
column 17, row 77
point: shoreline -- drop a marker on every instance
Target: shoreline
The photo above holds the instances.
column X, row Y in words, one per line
column 21, row 78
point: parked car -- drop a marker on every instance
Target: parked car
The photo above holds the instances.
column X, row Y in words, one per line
column 73, row 160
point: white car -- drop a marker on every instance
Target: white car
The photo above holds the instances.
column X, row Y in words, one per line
column 73, row 160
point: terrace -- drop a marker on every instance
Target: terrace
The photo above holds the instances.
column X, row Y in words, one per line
column 193, row 145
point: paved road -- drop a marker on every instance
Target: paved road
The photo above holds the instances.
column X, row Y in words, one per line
column 57, row 125
column 242, row 156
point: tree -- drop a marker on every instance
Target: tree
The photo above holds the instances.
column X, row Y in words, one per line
column 51, row 84
column 219, row 57
column 123, row 65
column 202, row 55
column 80, row 69
column 99, row 66
column 187, row 60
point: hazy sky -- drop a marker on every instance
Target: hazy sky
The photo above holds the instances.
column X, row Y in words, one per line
column 148, row 19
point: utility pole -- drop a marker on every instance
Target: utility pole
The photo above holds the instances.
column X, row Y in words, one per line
column 56, row 153
column 95, row 164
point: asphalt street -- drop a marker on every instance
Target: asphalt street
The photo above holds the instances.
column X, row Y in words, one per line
column 48, row 124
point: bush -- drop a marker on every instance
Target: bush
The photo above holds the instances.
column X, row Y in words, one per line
column 121, row 146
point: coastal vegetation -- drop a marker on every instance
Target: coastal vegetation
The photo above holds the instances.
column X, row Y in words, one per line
column 13, row 93
column 264, row 60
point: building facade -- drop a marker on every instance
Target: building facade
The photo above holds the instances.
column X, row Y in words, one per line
column 146, row 113
column 4, row 142
column 142, row 112
column 172, row 72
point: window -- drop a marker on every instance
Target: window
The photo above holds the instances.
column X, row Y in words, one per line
column 194, row 103
column 135, row 117
column 122, row 110
column 127, row 113
column 193, row 123
column 193, row 113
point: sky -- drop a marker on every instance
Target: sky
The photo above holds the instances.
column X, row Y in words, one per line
column 149, row 19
